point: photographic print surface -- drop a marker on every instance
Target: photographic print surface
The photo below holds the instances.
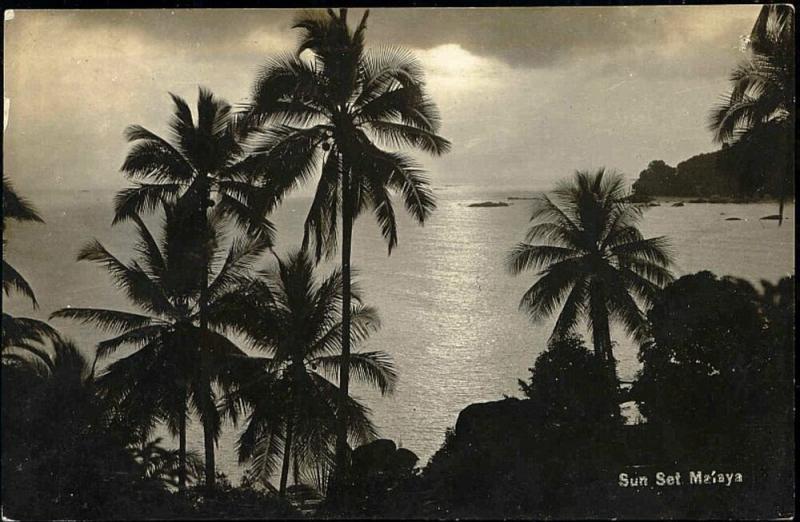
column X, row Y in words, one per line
column 399, row 263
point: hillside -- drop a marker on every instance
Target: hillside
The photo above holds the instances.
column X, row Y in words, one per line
column 725, row 173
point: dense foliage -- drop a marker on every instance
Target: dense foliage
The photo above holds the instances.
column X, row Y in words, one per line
column 717, row 379
column 70, row 452
column 733, row 172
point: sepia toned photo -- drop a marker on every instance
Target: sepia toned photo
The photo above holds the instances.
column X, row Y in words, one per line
column 399, row 263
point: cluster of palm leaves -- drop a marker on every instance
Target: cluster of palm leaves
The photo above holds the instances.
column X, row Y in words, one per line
column 593, row 262
column 293, row 405
column 328, row 108
column 758, row 114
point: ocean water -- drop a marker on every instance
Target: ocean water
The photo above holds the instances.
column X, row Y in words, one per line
column 448, row 306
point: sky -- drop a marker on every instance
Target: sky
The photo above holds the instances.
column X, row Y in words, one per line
column 527, row 95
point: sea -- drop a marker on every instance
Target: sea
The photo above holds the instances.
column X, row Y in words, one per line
column 448, row 306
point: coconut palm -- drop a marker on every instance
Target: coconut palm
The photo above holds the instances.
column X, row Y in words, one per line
column 163, row 379
column 203, row 159
column 758, row 113
column 20, row 332
column 292, row 402
column 594, row 262
column 333, row 110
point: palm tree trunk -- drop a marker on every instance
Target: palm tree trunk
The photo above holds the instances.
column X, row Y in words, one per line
column 182, row 445
column 601, row 337
column 205, row 380
column 287, row 446
column 287, row 455
column 344, row 370
column 296, row 470
column 601, row 333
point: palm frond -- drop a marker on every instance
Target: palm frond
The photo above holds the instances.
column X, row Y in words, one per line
column 148, row 250
column 321, row 221
column 384, row 213
column 142, row 197
column 154, row 158
column 375, row 369
column 403, row 174
column 542, row 299
column 13, row 280
column 246, row 218
column 139, row 287
column 108, row 320
column 525, row 256
column 655, row 250
column 242, row 254
column 385, row 68
column 18, row 331
column 573, row 310
column 136, row 338
column 360, row 428
column 288, row 91
column 15, row 206
column 400, row 135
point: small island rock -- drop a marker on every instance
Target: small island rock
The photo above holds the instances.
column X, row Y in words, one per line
column 489, row 204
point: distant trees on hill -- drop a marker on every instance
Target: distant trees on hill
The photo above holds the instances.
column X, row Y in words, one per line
column 731, row 172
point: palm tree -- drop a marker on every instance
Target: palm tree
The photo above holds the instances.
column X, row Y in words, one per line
column 203, row 159
column 293, row 405
column 164, row 376
column 20, row 332
column 593, row 259
column 336, row 108
column 758, row 113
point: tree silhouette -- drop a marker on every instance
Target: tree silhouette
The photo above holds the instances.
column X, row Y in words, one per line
column 204, row 159
column 163, row 379
column 336, row 108
column 593, row 260
column 293, row 406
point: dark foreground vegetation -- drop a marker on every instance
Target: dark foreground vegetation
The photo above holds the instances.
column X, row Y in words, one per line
column 716, row 390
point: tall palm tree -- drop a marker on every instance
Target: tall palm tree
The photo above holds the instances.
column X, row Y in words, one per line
column 593, row 260
column 293, row 406
column 758, row 113
column 204, row 158
column 20, row 332
column 163, row 376
column 336, row 108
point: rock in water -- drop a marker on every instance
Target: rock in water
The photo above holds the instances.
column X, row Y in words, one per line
column 678, row 204
column 489, row 204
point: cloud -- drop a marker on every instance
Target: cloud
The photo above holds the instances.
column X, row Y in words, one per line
column 526, row 94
